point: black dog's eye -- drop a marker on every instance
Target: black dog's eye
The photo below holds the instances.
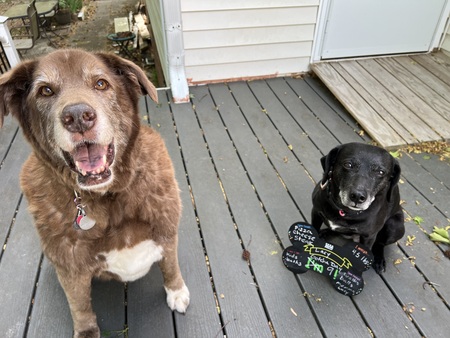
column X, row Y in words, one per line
column 348, row 165
column 46, row 91
column 381, row 172
column 101, row 84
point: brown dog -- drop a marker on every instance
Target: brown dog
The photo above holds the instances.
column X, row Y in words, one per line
column 100, row 186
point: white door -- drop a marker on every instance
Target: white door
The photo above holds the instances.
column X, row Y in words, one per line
column 375, row 27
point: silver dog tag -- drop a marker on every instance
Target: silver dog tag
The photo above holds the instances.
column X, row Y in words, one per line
column 86, row 223
column 82, row 221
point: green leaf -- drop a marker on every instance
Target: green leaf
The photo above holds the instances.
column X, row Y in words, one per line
column 441, row 232
column 438, row 238
column 395, row 154
column 426, row 157
column 418, row 220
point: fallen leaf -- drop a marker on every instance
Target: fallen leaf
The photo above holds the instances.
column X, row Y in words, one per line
column 409, row 308
column 410, row 240
column 290, row 147
column 418, row 220
column 395, row 154
column 294, row 313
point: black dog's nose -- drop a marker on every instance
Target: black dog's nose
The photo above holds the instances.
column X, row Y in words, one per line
column 358, row 196
column 78, row 118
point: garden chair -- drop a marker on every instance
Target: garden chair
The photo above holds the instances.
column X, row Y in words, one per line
column 29, row 32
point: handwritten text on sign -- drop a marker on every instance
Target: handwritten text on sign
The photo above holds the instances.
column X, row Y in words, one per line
column 343, row 265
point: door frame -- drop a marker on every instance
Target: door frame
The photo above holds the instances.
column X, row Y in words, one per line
column 322, row 15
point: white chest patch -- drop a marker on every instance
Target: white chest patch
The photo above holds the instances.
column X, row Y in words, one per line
column 334, row 227
column 133, row 263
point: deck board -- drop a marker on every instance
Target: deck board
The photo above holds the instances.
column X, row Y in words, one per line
column 232, row 278
column 203, row 319
column 246, row 156
column 397, row 100
column 253, row 224
column 22, row 260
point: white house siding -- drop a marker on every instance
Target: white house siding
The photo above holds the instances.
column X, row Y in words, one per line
column 155, row 14
column 235, row 39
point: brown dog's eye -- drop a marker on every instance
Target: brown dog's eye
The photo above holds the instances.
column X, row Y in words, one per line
column 46, row 91
column 101, row 84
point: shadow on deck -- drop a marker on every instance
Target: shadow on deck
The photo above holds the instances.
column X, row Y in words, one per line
column 246, row 157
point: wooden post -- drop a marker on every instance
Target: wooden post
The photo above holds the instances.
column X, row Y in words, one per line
column 7, row 42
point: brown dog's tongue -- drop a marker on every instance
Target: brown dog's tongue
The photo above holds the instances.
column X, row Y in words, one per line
column 90, row 157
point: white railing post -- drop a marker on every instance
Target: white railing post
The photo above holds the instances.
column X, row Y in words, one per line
column 8, row 44
column 175, row 50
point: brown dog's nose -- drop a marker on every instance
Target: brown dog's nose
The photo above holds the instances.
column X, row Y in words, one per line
column 78, row 118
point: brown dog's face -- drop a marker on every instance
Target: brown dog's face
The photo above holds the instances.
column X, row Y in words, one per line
column 79, row 109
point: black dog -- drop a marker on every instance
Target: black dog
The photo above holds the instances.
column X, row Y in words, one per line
column 359, row 196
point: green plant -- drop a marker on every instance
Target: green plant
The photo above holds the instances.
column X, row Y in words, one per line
column 72, row 5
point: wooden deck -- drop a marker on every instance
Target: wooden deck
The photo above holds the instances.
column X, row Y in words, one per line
column 397, row 100
column 246, row 157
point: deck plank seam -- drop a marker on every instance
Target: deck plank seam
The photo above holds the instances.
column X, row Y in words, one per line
column 13, row 138
column 398, row 298
column 10, row 227
column 294, row 154
column 197, row 217
column 350, row 121
column 223, row 189
column 401, row 99
column 390, row 105
column 297, row 277
column 33, row 295
column 266, row 154
column 375, row 135
column 298, row 123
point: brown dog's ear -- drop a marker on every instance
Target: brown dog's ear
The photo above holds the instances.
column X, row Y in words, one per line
column 14, row 87
column 327, row 162
column 135, row 74
column 396, row 171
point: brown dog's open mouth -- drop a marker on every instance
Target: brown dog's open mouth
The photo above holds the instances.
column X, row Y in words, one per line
column 91, row 161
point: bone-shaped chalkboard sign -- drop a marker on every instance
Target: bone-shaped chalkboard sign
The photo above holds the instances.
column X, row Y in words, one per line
column 344, row 265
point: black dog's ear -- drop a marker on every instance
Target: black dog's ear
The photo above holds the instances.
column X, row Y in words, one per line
column 14, row 87
column 328, row 161
column 396, row 171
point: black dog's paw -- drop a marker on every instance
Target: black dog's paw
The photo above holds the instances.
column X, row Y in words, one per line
column 326, row 232
column 379, row 264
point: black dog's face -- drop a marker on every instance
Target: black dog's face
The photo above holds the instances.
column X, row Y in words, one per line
column 359, row 173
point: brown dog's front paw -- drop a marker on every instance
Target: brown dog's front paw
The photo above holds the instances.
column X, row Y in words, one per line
column 178, row 299
column 91, row 333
